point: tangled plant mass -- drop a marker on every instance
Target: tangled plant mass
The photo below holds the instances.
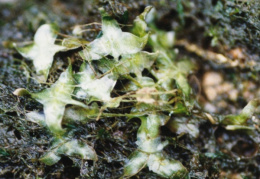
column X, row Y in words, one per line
column 157, row 97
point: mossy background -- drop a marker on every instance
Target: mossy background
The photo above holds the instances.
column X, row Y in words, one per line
column 219, row 26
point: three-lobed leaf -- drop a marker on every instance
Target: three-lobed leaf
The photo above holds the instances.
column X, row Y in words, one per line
column 42, row 50
column 130, row 63
column 69, row 148
column 91, row 86
column 54, row 100
column 114, row 41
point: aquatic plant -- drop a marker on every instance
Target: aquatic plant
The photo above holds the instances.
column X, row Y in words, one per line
column 155, row 97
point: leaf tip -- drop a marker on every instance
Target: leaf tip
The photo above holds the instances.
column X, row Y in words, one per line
column 21, row 92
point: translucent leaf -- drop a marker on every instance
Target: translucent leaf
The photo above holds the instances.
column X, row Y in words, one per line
column 113, row 103
column 157, row 162
column 140, row 26
column 50, row 158
column 42, row 50
column 91, row 86
column 148, row 139
column 36, row 117
column 73, row 43
column 183, row 125
column 185, row 66
column 136, row 163
column 183, row 84
column 139, row 82
column 238, row 127
column 167, row 168
column 149, row 108
column 245, row 114
column 114, row 41
column 76, row 113
column 168, row 69
column 71, row 148
column 148, row 145
column 55, row 99
column 134, row 63
column 162, row 41
column 76, row 148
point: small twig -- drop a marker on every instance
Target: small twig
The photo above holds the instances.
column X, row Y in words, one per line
column 206, row 54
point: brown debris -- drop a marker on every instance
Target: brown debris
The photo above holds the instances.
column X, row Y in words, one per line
column 213, row 86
